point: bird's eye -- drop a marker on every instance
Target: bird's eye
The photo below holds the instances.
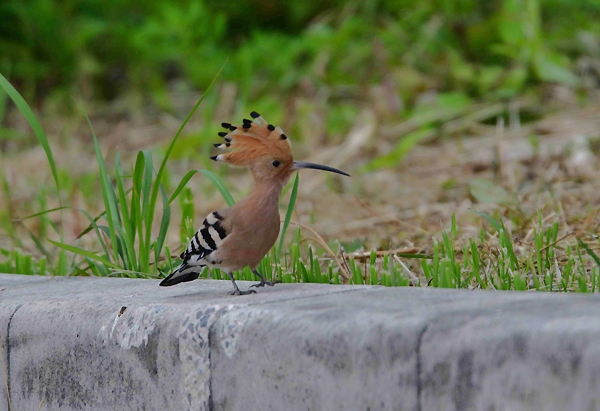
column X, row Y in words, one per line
column 276, row 163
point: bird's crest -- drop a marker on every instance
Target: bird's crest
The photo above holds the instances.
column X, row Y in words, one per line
column 254, row 139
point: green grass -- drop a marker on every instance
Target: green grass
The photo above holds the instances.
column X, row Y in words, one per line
column 18, row 262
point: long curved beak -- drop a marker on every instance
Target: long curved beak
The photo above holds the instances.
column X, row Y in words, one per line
column 302, row 164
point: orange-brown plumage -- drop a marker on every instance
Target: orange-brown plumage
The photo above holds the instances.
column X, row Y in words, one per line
column 257, row 145
column 240, row 236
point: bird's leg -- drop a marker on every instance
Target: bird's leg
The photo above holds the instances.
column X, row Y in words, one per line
column 263, row 282
column 237, row 290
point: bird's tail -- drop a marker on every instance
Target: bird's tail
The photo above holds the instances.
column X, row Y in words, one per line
column 183, row 273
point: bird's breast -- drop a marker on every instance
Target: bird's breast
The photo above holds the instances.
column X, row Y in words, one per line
column 251, row 238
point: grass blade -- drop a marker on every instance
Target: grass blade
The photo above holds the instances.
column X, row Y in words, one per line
column 424, row 256
column 493, row 222
column 288, row 214
column 164, row 227
column 147, row 180
column 111, row 209
column 128, row 232
column 94, row 226
column 220, row 186
column 181, row 186
column 589, row 251
column 41, row 213
column 147, row 209
column 85, row 253
column 35, row 125
column 90, row 227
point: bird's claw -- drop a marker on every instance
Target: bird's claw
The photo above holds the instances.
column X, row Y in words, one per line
column 239, row 292
column 263, row 283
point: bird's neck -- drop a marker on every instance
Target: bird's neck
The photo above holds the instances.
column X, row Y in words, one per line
column 259, row 211
column 265, row 194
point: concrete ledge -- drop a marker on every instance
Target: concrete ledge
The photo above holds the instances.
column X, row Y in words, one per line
column 106, row 344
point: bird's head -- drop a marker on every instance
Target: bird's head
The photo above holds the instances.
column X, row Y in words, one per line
column 264, row 148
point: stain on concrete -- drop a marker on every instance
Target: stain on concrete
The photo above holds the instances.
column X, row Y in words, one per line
column 148, row 354
column 64, row 381
column 463, row 391
column 334, row 354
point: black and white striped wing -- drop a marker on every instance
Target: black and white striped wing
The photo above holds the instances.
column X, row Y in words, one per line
column 206, row 240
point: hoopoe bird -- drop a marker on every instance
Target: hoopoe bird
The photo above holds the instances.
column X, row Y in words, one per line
column 240, row 236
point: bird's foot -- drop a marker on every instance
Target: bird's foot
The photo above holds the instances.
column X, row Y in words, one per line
column 239, row 292
column 263, row 283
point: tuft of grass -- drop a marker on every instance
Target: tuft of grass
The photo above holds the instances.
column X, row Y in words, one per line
column 130, row 218
column 19, row 262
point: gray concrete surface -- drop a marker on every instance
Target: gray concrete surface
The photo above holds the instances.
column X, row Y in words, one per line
column 124, row 344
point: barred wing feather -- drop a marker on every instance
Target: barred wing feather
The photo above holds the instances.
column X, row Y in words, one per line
column 206, row 240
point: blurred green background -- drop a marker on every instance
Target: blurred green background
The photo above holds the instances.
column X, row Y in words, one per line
column 105, row 49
